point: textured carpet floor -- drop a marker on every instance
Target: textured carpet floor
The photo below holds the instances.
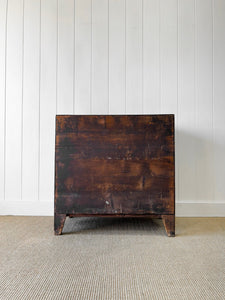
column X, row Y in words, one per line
column 100, row 258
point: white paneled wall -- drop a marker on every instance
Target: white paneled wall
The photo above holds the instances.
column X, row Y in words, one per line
column 111, row 57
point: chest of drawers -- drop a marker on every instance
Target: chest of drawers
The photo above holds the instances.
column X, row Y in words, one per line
column 115, row 165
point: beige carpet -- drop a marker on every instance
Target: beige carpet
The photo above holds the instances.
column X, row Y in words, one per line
column 112, row 259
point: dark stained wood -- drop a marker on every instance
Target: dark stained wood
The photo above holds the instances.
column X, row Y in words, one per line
column 118, row 145
column 124, row 203
column 169, row 224
column 59, row 220
column 152, row 216
column 114, row 165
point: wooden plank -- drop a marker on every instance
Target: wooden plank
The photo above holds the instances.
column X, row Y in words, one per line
column 117, row 56
column 113, row 175
column 114, row 152
column 92, row 123
column 120, row 202
column 114, row 145
column 100, row 80
column 47, row 98
column 3, row 16
column 141, row 122
column 65, row 71
column 31, row 95
column 162, row 168
column 83, row 60
column 114, row 137
column 118, row 182
column 115, row 215
column 14, row 79
column 73, row 123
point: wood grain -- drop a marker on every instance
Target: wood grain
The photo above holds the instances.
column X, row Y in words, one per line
column 114, row 165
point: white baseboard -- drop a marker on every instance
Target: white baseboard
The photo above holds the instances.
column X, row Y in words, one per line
column 200, row 209
column 47, row 208
column 22, row 208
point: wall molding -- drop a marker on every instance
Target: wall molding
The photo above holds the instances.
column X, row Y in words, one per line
column 200, row 209
column 25, row 208
column 46, row 209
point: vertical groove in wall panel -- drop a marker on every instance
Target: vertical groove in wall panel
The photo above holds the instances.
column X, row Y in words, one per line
column 48, row 97
column 213, row 157
column 108, row 57
column 219, row 100
column 116, row 57
column 160, row 57
column 204, row 151
column 125, row 53
column 56, row 56
column 177, row 140
column 22, row 96
column 14, row 101
column 142, row 56
column 39, row 102
column 31, row 100
column 91, row 64
column 151, row 68
column 82, row 80
column 196, row 81
column 186, row 96
column 65, row 56
column 100, row 57
column 3, row 31
column 168, row 68
column 133, row 57
column 74, row 57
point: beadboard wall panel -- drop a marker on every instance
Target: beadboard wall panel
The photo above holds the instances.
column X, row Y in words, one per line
column 204, row 78
column 14, row 100
column 30, row 107
column 168, row 66
column 3, row 50
column 117, row 59
column 100, row 49
column 133, row 38
column 187, row 117
column 111, row 57
column 219, row 99
column 168, row 56
column 65, row 54
column 83, row 56
column 48, row 97
column 151, row 57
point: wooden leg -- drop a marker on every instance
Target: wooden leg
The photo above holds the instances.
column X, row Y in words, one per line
column 169, row 224
column 59, row 220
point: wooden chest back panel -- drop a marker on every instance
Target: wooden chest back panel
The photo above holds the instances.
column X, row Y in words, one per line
column 114, row 164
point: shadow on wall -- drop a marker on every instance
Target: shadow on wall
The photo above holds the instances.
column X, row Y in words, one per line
column 200, row 168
